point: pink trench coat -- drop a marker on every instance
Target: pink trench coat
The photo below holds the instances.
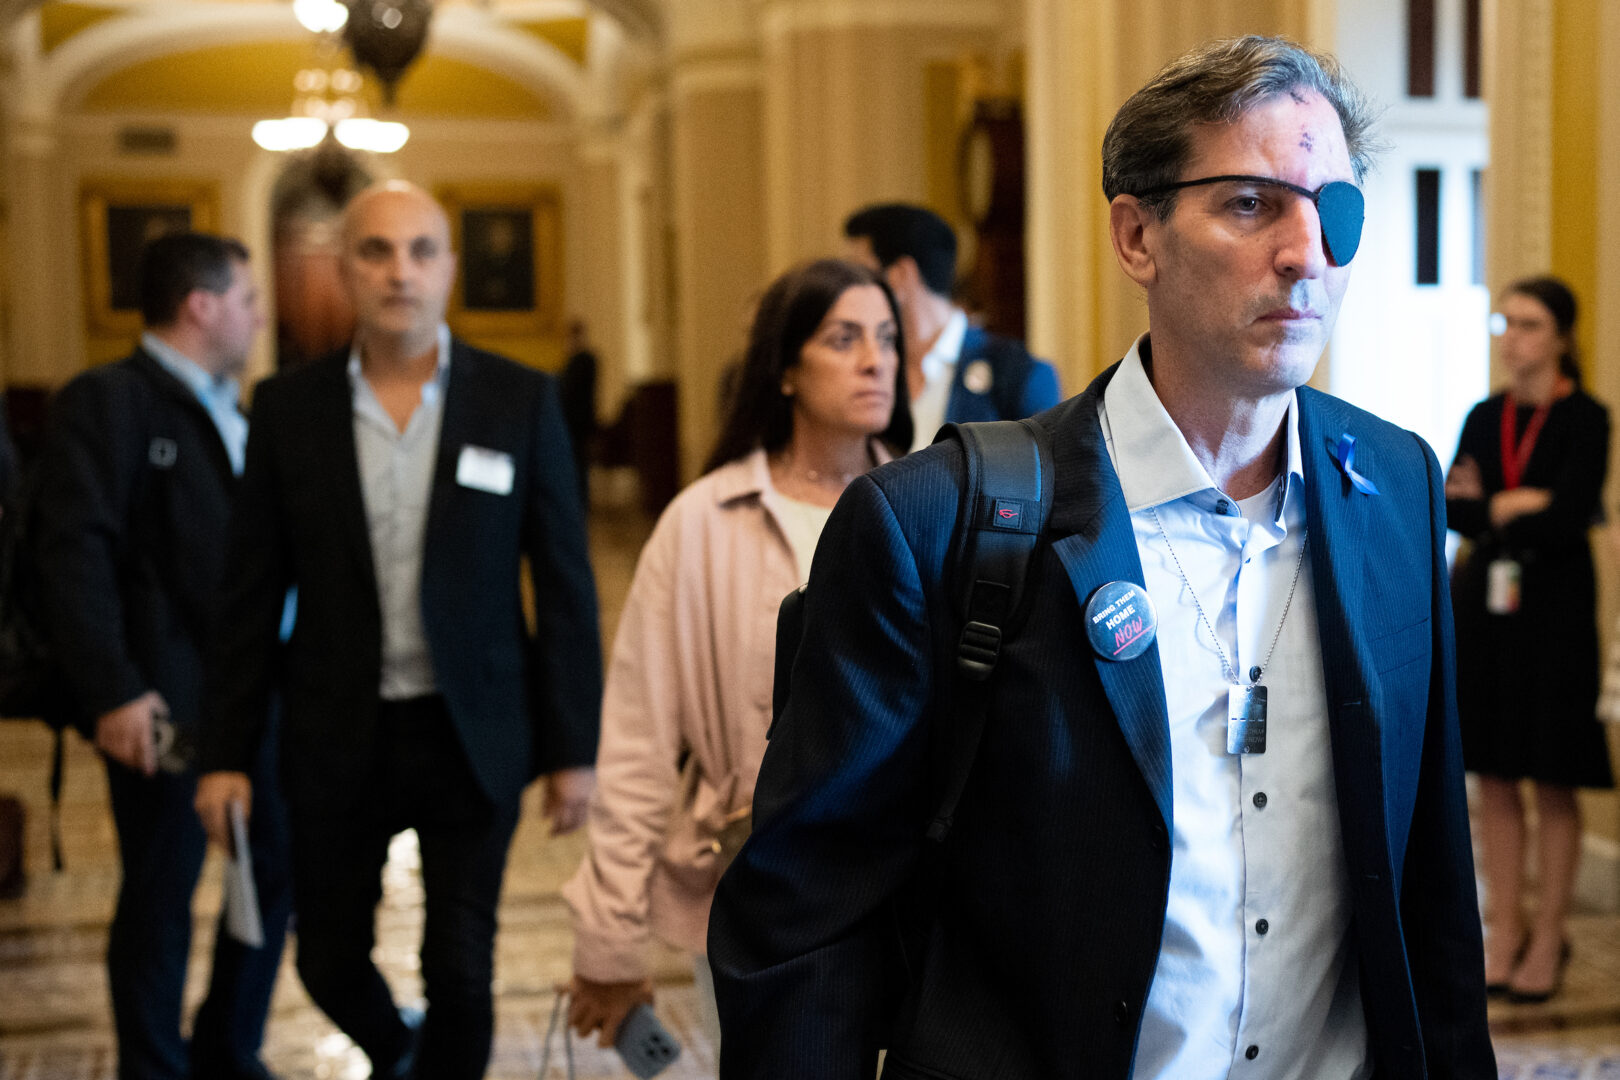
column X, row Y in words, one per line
column 691, row 669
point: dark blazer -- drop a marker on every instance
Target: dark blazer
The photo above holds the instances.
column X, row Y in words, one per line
column 1044, row 922
column 130, row 519
column 523, row 704
column 1020, row 385
column 10, row 481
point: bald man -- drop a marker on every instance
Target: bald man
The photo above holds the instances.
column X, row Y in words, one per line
column 401, row 487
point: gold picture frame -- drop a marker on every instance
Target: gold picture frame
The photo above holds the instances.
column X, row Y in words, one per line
column 117, row 218
column 508, row 240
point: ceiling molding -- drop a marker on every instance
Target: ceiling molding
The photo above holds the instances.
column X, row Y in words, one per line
column 461, row 33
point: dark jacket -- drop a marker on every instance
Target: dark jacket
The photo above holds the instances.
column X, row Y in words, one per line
column 1019, row 384
column 1043, row 928
column 9, row 478
column 129, row 536
column 522, row 703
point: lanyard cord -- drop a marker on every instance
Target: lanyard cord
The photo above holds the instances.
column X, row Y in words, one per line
column 1287, row 605
column 1516, row 452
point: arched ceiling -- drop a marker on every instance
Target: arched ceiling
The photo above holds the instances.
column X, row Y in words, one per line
column 642, row 19
column 257, row 77
column 512, row 59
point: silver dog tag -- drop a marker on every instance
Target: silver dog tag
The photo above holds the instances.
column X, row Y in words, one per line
column 1246, row 719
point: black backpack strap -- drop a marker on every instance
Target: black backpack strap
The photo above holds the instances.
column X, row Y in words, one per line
column 1006, row 500
column 789, row 629
column 57, row 768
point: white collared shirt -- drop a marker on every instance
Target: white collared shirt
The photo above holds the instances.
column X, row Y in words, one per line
column 939, row 375
column 1256, row 955
column 396, row 482
column 218, row 394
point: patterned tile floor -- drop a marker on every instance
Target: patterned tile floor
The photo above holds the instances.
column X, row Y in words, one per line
column 53, row 1013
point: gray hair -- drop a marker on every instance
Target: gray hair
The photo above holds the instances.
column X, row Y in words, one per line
column 1150, row 138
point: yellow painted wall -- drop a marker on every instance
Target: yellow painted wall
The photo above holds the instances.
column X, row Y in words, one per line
column 1575, row 239
column 1576, row 38
column 572, row 37
column 257, row 78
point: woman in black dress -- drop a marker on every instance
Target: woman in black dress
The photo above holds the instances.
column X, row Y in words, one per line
column 1524, row 491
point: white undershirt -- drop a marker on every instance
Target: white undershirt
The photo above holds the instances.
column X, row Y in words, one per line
column 802, row 522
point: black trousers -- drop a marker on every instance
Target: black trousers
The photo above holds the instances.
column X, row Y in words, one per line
column 423, row 781
column 161, row 844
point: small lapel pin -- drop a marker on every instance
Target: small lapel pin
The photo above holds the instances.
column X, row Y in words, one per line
column 1345, row 455
column 977, row 377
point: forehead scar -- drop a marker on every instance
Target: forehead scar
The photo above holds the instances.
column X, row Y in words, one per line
column 1306, row 143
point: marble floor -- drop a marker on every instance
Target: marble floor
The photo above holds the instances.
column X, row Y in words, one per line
column 54, row 1023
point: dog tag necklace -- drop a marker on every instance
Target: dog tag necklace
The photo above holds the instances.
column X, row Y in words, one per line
column 1245, row 703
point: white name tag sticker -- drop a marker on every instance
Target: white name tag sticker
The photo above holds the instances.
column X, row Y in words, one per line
column 485, row 470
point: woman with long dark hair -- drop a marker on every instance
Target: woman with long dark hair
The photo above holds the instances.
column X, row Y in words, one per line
column 819, row 400
column 1524, row 492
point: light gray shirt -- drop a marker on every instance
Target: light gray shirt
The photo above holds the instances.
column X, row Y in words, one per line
column 218, row 394
column 396, row 481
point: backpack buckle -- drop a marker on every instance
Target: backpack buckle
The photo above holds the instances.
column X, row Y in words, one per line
column 977, row 650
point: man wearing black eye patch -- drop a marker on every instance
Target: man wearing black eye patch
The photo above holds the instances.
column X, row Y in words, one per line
column 1215, row 824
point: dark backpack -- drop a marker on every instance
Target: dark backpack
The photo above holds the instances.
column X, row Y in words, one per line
column 31, row 684
column 1006, row 500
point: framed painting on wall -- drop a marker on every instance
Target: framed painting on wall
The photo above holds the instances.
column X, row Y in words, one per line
column 118, row 218
column 509, row 241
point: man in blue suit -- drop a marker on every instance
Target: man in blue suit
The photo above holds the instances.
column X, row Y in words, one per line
column 1150, row 873
column 955, row 372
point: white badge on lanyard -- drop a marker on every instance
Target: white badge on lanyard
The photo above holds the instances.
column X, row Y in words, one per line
column 1502, row 587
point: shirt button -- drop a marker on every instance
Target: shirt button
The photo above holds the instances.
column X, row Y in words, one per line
column 1259, row 800
column 1261, row 927
column 1122, row 1012
column 1223, row 508
column 1252, row 1052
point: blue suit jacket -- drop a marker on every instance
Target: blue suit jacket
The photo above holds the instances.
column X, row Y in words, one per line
column 1019, row 384
column 1044, row 910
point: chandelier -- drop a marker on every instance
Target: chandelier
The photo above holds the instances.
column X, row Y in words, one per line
column 385, row 36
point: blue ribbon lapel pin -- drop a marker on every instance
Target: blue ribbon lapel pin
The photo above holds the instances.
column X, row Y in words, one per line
column 1344, row 454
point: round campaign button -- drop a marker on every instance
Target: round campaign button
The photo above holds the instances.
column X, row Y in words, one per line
column 1121, row 621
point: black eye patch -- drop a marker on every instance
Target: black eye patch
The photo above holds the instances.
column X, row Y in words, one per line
column 1339, row 205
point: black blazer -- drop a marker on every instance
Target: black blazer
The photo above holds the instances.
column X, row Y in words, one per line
column 128, row 536
column 522, row 703
column 10, row 481
column 1043, row 927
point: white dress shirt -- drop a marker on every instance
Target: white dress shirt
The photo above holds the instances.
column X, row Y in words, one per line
column 396, row 482
column 1255, row 975
column 939, row 375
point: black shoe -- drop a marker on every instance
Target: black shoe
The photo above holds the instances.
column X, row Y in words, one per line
column 405, row 1067
column 1538, row 997
column 1504, row 988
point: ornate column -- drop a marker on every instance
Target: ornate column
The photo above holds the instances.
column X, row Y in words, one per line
column 846, row 91
column 598, row 292
column 1518, row 53
column 45, row 342
column 718, row 125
